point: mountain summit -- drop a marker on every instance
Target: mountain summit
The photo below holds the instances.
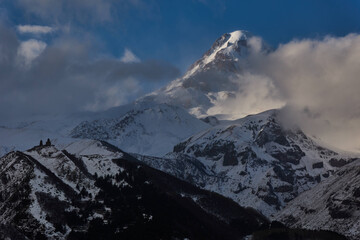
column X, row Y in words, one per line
column 213, row 79
column 228, row 49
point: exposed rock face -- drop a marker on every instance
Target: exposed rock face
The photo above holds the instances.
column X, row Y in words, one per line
column 213, row 121
column 339, row 162
column 334, row 204
column 254, row 160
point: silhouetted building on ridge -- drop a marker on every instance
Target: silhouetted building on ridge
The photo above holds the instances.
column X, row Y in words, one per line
column 48, row 142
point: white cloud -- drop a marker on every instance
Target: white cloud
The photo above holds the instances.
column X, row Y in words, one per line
column 320, row 81
column 34, row 29
column 129, row 57
column 29, row 50
column 256, row 93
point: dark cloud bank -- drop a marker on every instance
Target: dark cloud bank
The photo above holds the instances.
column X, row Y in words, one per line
column 66, row 78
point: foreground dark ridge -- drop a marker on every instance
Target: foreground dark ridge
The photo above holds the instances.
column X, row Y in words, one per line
column 137, row 202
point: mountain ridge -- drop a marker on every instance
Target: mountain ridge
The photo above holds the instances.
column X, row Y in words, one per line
column 58, row 201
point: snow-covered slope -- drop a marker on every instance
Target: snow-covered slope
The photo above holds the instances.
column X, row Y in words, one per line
column 96, row 156
column 183, row 167
column 22, row 134
column 35, row 190
column 149, row 128
column 334, row 204
column 256, row 161
column 25, row 134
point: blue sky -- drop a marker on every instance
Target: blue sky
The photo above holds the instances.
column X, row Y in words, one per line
column 179, row 31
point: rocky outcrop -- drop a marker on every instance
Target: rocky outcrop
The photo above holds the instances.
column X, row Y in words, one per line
column 273, row 164
column 333, row 205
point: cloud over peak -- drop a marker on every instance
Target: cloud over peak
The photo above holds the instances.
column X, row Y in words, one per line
column 316, row 81
column 320, row 82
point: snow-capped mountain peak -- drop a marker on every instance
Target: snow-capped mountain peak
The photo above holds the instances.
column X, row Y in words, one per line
column 216, row 79
column 229, row 47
